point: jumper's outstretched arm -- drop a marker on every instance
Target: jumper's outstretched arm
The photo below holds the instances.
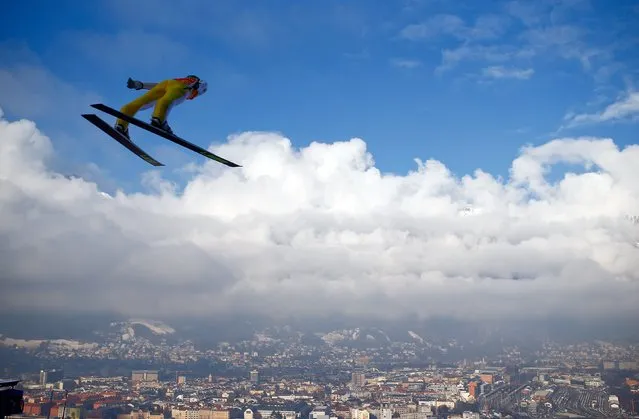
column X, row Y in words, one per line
column 138, row 85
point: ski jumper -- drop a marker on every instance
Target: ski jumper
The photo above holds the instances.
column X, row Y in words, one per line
column 165, row 95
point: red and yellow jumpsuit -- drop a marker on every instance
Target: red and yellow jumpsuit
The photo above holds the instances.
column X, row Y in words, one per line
column 164, row 95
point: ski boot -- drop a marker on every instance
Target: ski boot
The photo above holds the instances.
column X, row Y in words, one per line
column 163, row 125
column 122, row 130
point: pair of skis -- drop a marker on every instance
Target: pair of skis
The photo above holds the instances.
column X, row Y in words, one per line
column 135, row 149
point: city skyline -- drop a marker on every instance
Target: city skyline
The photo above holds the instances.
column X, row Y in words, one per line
column 148, row 369
column 557, row 380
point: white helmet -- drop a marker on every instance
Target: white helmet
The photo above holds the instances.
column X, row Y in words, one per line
column 202, row 88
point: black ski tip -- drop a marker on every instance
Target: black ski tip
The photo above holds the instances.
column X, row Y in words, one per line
column 107, row 129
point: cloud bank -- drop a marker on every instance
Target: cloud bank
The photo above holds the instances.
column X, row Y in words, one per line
column 321, row 230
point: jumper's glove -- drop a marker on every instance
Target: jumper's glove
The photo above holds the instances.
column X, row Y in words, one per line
column 134, row 84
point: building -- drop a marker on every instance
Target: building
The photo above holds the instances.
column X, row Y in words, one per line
column 254, row 377
column 472, row 389
column 385, row 413
column 484, row 388
column 541, row 395
column 628, row 365
column 144, row 376
column 360, row 414
column 358, row 379
column 613, row 401
column 288, row 410
column 43, row 377
column 486, row 378
column 197, row 414
column 140, row 414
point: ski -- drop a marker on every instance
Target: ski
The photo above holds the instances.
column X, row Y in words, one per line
column 162, row 133
column 108, row 129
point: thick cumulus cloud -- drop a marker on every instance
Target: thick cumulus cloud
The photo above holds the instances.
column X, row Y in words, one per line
column 321, row 230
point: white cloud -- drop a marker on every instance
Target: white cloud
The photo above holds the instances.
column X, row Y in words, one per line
column 533, row 13
column 488, row 26
column 565, row 41
column 481, row 53
column 530, row 13
column 560, row 35
column 321, row 230
column 568, row 42
column 501, row 72
column 435, row 26
column 543, row 29
column 626, row 107
column 405, row 63
column 485, row 27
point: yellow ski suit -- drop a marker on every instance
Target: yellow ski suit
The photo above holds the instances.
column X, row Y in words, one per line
column 165, row 95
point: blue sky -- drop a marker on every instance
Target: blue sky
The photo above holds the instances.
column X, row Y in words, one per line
column 464, row 82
